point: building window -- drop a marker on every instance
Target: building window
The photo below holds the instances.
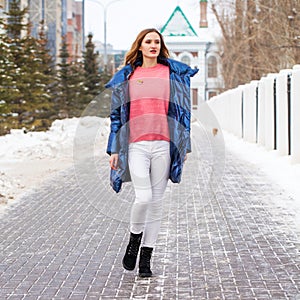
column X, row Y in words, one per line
column 212, row 67
column 185, row 59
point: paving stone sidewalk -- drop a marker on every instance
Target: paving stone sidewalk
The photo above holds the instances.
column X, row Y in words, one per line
column 222, row 237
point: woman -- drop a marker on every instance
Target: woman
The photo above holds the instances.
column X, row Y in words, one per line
column 149, row 137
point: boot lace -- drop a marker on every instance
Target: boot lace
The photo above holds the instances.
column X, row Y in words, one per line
column 133, row 247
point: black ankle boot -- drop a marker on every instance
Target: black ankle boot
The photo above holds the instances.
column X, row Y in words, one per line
column 132, row 250
column 144, row 263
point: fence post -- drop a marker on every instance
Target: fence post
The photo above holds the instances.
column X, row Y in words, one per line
column 269, row 112
column 237, row 112
column 225, row 110
column 282, row 136
column 249, row 111
column 261, row 112
column 295, row 115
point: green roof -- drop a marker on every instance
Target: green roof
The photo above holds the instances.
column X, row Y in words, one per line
column 178, row 25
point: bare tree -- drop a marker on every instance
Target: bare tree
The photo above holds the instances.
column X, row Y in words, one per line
column 258, row 37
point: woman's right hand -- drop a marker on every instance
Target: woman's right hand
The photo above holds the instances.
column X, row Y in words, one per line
column 113, row 161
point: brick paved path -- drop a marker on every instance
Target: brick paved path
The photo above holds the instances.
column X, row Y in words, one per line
column 66, row 239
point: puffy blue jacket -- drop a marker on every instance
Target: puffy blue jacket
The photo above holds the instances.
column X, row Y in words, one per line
column 179, row 115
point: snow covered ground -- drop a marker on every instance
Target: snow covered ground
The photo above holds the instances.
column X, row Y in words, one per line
column 278, row 168
column 27, row 159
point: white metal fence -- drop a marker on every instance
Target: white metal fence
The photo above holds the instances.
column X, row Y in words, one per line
column 266, row 111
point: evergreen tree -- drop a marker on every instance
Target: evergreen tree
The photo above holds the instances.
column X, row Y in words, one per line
column 70, row 89
column 47, row 68
column 15, row 18
column 8, row 90
column 91, row 67
column 30, row 72
column 62, row 91
column 14, row 29
column 94, row 80
column 48, row 64
column 35, row 80
column 80, row 95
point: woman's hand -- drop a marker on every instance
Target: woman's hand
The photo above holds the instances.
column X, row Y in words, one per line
column 113, row 161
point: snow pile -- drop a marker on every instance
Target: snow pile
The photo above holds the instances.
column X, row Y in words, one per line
column 56, row 142
column 28, row 158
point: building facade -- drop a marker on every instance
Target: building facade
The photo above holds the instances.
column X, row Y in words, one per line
column 60, row 18
column 53, row 14
column 197, row 48
column 74, row 30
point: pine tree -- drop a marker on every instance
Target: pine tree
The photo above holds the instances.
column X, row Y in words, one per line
column 95, row 81
column 62, row 90
column 14, row 29
column 70, row 89
column 8, row 90
column 91, row 67
column 15, row 18
column 44, row 52
column 80, row 95
column 35, row 80
column 30, row 72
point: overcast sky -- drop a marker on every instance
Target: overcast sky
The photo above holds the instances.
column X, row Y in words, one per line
column 126, row 18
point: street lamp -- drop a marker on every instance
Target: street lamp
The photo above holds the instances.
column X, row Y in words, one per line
column 105, row 7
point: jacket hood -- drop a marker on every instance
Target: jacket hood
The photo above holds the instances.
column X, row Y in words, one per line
column 181, row 68
column 175, row 67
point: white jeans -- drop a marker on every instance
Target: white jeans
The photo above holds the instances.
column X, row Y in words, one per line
column 149, row 165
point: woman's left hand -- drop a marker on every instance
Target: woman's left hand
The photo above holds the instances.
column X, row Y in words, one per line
column 113, row 161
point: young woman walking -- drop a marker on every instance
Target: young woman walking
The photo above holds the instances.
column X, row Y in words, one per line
column 149, row 137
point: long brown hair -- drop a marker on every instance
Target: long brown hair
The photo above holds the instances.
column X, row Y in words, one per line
column 134, row 53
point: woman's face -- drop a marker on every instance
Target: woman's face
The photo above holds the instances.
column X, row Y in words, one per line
column 151, row 45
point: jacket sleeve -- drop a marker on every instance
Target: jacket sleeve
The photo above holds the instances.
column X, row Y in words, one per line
column 113, row 144
column 191, row 73
column 188, row 128
column 187, row 118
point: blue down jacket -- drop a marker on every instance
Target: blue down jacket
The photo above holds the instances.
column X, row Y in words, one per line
column 179, row 115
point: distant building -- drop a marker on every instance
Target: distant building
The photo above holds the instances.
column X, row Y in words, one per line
column 197, row 48
column 61, row 18
column 74, row 31
column 54, row 15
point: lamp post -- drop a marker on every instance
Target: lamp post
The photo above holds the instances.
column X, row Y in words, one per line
column 105, row 7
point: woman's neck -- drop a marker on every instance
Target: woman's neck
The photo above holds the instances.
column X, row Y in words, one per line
column 148, row 63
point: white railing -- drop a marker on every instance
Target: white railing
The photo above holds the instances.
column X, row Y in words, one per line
column 266, row 111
